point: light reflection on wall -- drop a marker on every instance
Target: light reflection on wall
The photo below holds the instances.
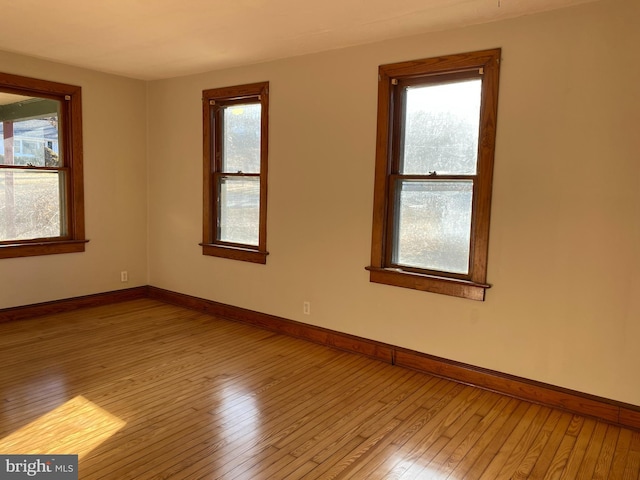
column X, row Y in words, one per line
column 75, row 427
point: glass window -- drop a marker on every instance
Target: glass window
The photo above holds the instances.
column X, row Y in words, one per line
column 441, row 128
column 235, row 166
column 239, row 210
column 434, row 168
column 41, row 191
column 434, row 225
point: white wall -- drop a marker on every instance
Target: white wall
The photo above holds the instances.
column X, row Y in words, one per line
column 564, row 257
column 114, row 133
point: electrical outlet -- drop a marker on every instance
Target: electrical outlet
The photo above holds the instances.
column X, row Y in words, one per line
column 306, row 308
column 124, row 276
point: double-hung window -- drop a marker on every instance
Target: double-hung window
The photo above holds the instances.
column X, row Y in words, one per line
column 434, row 168
column 235, row 172
column 41, row 184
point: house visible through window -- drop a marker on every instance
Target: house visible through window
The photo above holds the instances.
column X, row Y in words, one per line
column 41, row 191
column 434, row 168
column 235, row 171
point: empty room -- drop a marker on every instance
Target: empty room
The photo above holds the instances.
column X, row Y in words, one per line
column 300, row 240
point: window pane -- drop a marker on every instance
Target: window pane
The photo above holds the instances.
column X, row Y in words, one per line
column 29, row 131
column 241, row 147
column 434, row 225
column 441, row 128
column 30, row 204
column 239, row 216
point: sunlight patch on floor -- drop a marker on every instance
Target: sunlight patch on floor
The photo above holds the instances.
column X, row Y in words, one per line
column 75, row 427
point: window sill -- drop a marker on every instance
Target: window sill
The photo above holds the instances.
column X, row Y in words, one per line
column 428, row 283
column 43, row 247
column 234, row 253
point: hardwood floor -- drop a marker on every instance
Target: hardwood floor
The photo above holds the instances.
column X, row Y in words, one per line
column 146, row 390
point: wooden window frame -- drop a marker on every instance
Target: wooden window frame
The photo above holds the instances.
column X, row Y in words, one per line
column 212, row 99
column 472, row 285
column 70, row 132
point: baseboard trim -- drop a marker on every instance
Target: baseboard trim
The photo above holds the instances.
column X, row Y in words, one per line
column 611, row 411
column 518, row 387
column 572, row 401
column 292, row 328
column 69, row 304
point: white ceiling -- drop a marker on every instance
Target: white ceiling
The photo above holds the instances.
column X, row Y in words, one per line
column 152, row 39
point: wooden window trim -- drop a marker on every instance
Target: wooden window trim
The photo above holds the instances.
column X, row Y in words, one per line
column 210, row 246
column 70, row 97
column 473, row 285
